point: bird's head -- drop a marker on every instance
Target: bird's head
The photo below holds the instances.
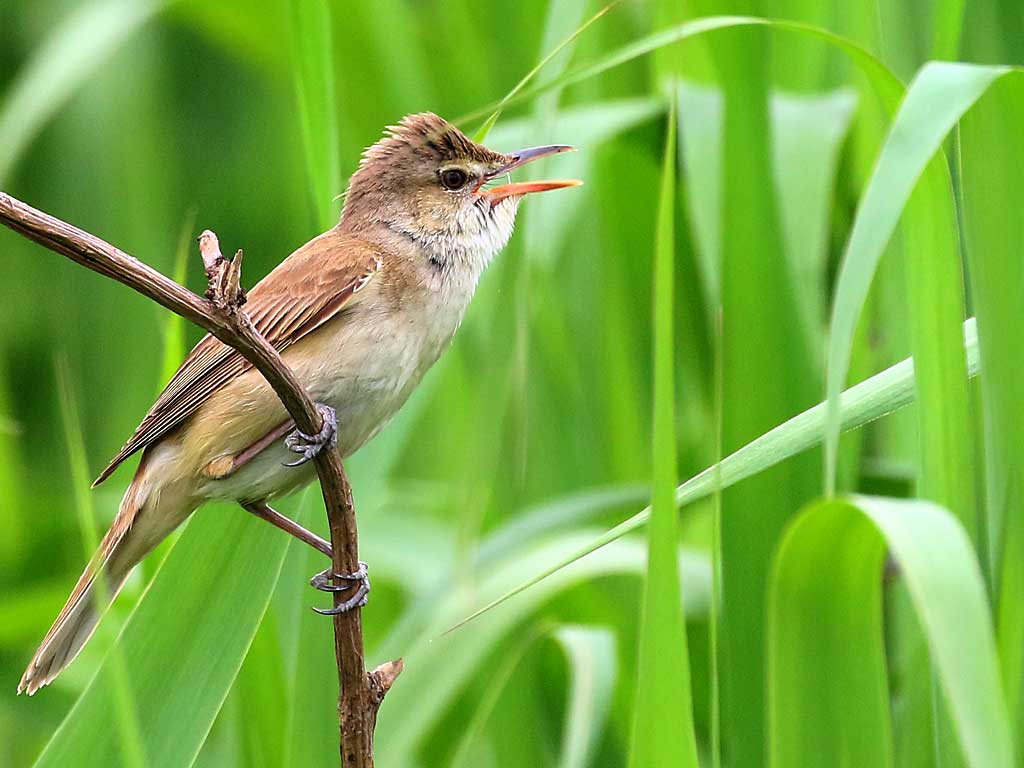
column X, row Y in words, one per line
column 428, row 182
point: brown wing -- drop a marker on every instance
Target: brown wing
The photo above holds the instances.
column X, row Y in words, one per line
column 297, row 297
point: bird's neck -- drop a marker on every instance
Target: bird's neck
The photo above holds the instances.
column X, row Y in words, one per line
column 456, row 250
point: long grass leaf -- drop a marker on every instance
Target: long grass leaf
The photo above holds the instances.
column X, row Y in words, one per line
column 75, row 49
column 763, row 332
column 663, row 717
column 510, row 661
column 12, row 484
column 992, row 155
column 808, row 132
column 481, row 133
column 934, row 291
column 827, row 696
column 882, row 394
column 313, row 73
column 868, row 63
column 126, row 718
column 182, row 645
column 939, row 96
column 411, row 709
column 827, row 661
column 715, row 611
column 947, row 29
column 590, row 654
column 174, row 325
column 260, row 694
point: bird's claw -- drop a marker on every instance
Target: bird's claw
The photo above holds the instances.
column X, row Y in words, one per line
column 310, row 445
column 360, row 581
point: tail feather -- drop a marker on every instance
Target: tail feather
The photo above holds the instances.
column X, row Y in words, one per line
column 66, row 637
column 77, row 621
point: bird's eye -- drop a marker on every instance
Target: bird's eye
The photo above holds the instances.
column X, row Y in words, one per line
column 454, row 178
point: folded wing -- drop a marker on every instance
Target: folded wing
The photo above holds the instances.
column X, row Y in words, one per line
column 301, row 294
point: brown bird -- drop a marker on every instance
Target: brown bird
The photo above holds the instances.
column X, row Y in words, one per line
column 359, row 314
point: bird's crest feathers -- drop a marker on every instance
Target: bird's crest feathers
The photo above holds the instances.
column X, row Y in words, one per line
column 428, row 136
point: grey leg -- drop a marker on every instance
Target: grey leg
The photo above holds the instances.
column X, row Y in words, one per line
column 263, row 510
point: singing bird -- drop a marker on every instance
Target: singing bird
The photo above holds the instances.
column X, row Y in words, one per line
column 359, row 313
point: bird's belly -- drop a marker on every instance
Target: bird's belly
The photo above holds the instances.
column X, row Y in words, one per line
column 365, row 369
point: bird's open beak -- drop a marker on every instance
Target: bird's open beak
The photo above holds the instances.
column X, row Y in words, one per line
column 496, row 194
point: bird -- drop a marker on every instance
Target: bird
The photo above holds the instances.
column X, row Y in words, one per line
column 359, row 313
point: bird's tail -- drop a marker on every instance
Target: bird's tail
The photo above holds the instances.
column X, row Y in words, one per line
column 123, row 546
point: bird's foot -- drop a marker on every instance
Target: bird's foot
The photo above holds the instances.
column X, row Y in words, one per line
column 359, row 581
column 310, row 445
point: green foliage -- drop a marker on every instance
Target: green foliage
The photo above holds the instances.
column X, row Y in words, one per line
column 313, row 68
column 806, row 222
column 131, row 750
column 988, row 156
column 180, row 678
column 663, row 718
column 556, row 15
column 881, row 395
column 826, row 611
column 77, row 46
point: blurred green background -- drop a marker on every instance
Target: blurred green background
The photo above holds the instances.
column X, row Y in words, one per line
column 145, row 122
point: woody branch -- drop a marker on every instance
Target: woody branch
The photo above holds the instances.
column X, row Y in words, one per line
column 221, row 314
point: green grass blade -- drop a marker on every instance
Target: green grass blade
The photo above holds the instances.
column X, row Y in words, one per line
column 510, row 660
column 174, row 325
column 701, row 117
column 623, row 55
column 663, row 717
column 312, row 721
column 907, row 175
column 934, row 289
column 881, row 78
column 593, row 667
column 945, row 451
column 828, row 693
column 414, row 707
column 132, row 751
column 992, row 155
column 762, row 331
column 882, row 394
column 807, row 132
column 938, row 98
column 562, row 513
column 715, row 611
column 947, row 28
column 260, row 695
column 12, row 484
column 182, row 645
column 589, row 654
column 934, row 295
column 313, row 73
column 936, row 298
column 72, row 52
column 481, row 133
column 827, row 696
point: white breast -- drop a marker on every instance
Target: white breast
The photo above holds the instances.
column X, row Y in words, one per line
column 368, row 362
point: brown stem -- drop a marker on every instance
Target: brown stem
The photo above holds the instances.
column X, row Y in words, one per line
column 221, row 314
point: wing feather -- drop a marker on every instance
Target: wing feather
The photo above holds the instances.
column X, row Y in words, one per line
column 302, row 293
